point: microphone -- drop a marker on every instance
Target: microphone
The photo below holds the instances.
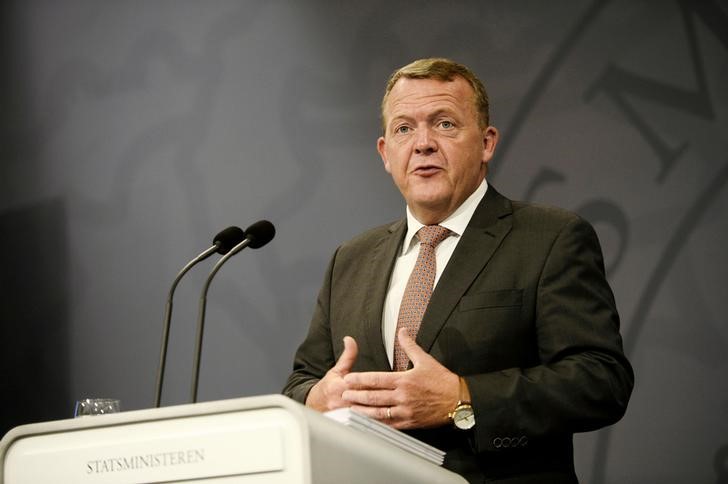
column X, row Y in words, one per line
column 222, row 243
column 256, row 236
column 227, row 239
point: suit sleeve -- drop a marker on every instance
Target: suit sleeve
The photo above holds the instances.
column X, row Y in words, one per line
column 315, row 356
column 583, row 380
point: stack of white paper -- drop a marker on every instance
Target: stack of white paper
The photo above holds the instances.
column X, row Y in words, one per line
column 385, row 432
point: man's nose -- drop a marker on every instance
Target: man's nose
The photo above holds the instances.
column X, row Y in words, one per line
column 425, row 143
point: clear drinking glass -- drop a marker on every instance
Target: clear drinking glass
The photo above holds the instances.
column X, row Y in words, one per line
column 96, row 406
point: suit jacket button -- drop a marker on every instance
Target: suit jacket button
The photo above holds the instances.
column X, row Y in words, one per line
column 523, row 441
column 497, row 442
column 506, row 442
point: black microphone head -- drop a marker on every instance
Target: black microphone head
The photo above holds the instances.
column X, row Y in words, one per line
column 260, row 233
column 227, row 239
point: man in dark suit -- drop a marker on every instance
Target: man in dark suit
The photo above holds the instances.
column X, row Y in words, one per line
column 519, row 344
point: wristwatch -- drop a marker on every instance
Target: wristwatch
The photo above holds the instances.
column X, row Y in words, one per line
column 462, row 416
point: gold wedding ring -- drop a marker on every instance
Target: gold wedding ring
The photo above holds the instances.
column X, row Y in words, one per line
column 389, row 413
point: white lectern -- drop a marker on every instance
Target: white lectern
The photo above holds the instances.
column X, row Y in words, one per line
column 266, row 439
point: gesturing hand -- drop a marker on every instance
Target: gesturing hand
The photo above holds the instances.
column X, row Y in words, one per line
column 326, row 393
column 417, row 398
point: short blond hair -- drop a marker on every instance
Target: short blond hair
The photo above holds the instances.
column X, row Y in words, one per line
column 443, row 70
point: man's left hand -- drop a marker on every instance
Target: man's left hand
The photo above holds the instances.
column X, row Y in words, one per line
column 420, row 397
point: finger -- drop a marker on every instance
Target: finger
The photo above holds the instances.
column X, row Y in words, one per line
column 378, row 380
column 377, row 413
column 348, row 357
column 370, row 398
column 410, row 348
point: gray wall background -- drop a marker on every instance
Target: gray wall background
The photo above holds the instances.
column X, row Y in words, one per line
column 134, row 131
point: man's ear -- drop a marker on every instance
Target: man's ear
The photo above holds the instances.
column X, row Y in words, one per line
column 490, row 140
column 381, row 144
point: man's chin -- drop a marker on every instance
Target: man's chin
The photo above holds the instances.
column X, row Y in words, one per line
column 432, row 207
column 429, row 200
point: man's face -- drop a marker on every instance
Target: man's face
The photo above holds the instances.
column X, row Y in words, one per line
column 433, row 145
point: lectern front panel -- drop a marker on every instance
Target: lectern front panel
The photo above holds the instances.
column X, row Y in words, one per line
column 230, row 447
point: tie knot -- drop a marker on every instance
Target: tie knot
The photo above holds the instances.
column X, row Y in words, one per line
column 432, row 235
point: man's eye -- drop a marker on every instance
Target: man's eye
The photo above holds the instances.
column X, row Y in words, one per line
column 402, row 129
column 447, row 124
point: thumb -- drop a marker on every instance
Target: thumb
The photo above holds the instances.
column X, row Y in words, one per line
column 348, row 357
column 411, row 349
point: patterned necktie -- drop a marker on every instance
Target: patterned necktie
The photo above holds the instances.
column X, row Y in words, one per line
column 418, row 290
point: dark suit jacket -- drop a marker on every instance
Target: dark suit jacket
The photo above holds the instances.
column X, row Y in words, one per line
column 523, row 311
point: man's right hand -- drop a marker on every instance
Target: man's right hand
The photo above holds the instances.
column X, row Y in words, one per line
column 326, row 394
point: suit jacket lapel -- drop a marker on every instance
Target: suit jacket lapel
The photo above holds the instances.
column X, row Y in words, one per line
column 384, row 256
column 489, row 225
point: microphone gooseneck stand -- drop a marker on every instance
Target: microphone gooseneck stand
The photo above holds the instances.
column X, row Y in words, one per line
column 201, row 316
column 222, row 243
column 167, row 321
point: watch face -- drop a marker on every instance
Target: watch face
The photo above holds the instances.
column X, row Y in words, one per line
column 464, row 418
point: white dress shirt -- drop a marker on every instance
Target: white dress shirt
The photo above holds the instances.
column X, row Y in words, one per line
column 456, row 223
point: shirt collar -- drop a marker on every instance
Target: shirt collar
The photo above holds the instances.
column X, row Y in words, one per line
column 457, row 222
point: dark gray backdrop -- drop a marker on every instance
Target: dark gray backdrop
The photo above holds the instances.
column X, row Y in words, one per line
column 134, row 131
